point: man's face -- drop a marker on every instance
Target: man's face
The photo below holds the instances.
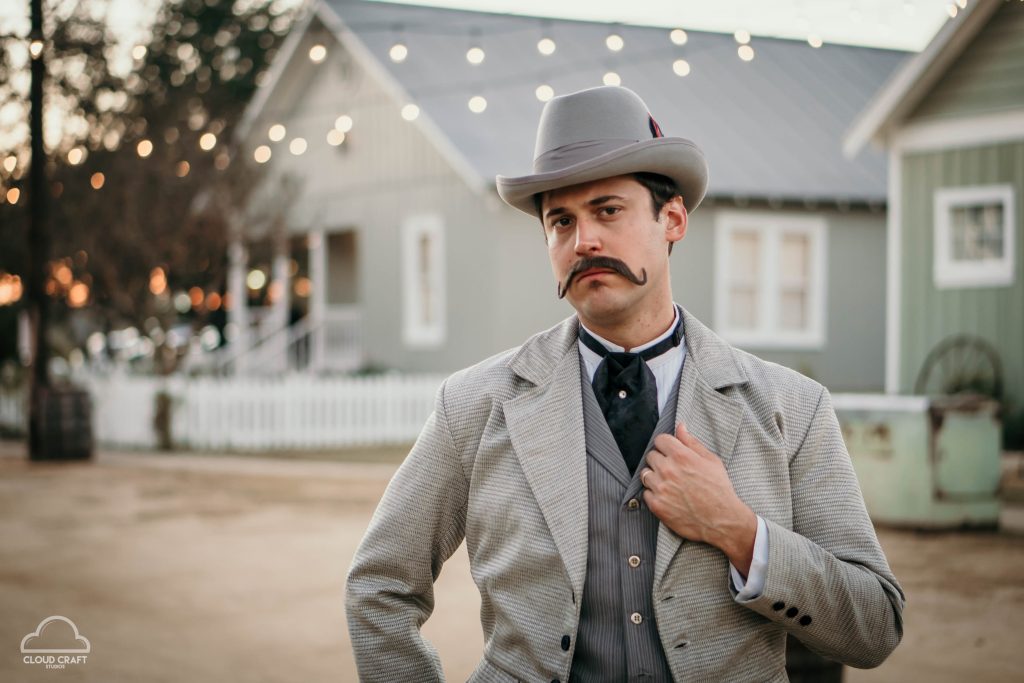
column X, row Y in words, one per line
column 611, row 220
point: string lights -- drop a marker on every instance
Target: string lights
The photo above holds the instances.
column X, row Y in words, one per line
column 410, row 112
column 317, row 53
column 475, row 55
column 681, row 67
column 344, row 123
column 398, row 52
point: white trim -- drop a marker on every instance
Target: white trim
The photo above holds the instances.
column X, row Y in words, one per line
column 949, row 273
column 880, row 402
column 962, row 132
column 893, row 273
column 351, row 42
column 415, row 332
column 905, row 89
column 316, row 242
column 771, row 226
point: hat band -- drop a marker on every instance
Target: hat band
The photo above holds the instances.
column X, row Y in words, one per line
column 576, row 153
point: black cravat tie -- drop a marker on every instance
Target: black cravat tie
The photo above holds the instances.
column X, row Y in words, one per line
column 628, row 394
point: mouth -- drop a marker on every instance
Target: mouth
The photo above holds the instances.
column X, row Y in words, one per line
column 592, row 272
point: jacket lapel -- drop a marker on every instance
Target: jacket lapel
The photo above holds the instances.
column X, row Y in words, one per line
column 547, row 431
column 708, row 413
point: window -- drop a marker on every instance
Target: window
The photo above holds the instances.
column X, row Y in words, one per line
column 423, row 281
column 974, row 232
column 770, row 279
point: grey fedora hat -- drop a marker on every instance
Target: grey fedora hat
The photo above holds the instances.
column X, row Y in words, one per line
column 600, row 133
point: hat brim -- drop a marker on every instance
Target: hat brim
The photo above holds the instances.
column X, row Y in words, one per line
column 677, row 158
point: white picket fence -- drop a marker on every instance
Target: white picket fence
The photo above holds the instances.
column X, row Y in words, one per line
column 12, row 410
column 294, row 411
column 302, row 412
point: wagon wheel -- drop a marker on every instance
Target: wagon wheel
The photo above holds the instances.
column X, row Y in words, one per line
column 961, row 364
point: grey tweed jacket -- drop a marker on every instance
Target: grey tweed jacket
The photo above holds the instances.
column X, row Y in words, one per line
column 502, row 463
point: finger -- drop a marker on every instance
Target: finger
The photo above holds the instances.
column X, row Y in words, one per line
column 654, row 458
column 645, row 476
column 690, row 441
column 667, row 443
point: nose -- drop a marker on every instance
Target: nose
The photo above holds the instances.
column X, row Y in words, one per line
column 588, row 238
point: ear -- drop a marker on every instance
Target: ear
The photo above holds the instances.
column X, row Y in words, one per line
column 675, row 216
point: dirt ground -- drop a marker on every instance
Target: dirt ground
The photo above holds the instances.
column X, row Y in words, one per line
column 217, row 568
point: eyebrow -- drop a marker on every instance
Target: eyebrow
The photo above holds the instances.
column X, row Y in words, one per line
column 596, row 201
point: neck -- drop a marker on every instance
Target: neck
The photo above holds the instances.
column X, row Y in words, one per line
column 635, row 331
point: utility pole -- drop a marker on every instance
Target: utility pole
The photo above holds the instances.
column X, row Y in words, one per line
column 59, row 420
column 38, row 237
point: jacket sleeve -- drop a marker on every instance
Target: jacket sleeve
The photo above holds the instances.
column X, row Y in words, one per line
column 419, row 523
column 827, row 580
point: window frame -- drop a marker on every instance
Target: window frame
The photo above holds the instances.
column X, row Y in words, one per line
column 770, row 226
column 950, row 274
column 415, row 333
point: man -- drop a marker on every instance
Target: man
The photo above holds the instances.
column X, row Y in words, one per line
column 640, row 501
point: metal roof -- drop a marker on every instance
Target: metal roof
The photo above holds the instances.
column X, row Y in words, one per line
column 771, row 128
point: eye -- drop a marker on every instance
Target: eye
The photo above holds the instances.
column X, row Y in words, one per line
column 609, row 210
column 561, row 223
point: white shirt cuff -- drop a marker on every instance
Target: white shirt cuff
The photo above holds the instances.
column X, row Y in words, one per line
column 752, row 587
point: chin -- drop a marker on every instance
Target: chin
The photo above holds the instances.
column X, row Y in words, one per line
column 599, row 305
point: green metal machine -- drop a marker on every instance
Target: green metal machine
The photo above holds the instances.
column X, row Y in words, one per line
column 925, row 462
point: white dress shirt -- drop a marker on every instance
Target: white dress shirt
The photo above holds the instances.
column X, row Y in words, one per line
column 666, row 369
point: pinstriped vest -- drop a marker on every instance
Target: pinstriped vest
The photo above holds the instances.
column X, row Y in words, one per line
column 623, row 535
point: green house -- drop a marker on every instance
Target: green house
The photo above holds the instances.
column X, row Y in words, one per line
column 952, row 121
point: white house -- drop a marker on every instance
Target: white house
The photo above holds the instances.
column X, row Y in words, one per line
column 387, row 245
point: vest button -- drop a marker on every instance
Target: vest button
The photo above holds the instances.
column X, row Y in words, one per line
column 634, row 561
column 633, row 504
column 636, row 618
column 622, row 393
column 565, row 643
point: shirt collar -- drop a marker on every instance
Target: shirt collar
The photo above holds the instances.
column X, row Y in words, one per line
column 615, row 347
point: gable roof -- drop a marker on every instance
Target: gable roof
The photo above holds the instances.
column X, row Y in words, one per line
column 909, row 85
column 771, row 128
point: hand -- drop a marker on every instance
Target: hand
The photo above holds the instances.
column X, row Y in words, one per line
column 688, row 489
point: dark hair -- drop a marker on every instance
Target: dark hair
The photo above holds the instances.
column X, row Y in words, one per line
column 662, row 189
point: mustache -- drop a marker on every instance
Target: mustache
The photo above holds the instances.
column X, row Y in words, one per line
column 608, row 262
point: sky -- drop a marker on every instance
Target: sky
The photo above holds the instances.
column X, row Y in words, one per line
column 898, row 24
